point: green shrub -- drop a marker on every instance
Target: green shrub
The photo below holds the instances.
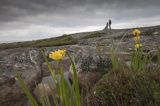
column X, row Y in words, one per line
column 127, row 88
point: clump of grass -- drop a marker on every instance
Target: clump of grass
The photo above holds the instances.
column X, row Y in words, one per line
column 126, row 87
column 140, row 60
column 116, row 63
column 67, row 96
column 28, row 93
column 114, row 57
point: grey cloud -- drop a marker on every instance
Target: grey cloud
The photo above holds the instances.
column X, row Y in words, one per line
column 59, row 14
column 12, row 9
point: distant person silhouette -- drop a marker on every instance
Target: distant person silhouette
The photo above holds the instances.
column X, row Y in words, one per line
column 110, row 22
column 106, row 28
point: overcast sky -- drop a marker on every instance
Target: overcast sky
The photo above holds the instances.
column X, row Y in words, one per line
column 37, row 19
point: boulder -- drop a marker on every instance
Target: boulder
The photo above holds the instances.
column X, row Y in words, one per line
column 90, row 68
column 48, row 83
column 27, row 62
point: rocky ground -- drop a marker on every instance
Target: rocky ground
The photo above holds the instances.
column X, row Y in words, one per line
column 29, row 62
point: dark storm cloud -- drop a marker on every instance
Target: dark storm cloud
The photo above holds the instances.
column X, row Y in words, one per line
column 15, row 9
column 22, row 17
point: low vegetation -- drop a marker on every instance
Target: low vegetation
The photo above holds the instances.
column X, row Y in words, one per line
column 93, row 35
column 57, row 41
column 127, row 87
column 137, row 84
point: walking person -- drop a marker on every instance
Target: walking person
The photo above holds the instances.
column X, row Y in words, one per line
column 106, row 27
column 110, row 22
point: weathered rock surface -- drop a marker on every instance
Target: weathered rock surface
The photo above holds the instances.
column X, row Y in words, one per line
column 90, row 68
column 49, row 83
column 65, row 64
column 27, row 62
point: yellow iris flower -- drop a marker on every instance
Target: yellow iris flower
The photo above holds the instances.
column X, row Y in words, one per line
column 57, row 55
column 137, row 46
column 137, row 39
column 136, row 32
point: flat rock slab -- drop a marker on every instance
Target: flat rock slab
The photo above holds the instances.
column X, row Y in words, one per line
column 27, row 62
